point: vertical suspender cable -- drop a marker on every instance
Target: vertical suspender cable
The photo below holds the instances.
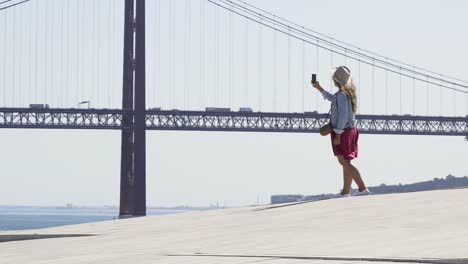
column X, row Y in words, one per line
column 77, row 48
column 30, row 54
column 414, row 93
column 230, row 60
column 62, row 62
column 20, row 59
column 4, row 52
column 275, row 85
column 317, row 59
column 68, row 54
column 386, row 87
column 189, row 40
column 53, row 55
column 46, row 44
column 331, row 67
column 217, row 55
column 289, row 71
column 202, row 53
column 98, row 57
column 466, row 104
column 114, row 69
column 185, row 53
column 441, row 94
column 246, row 60
column 303, row 76
column 346, row 57
column 157, row 54
column 174, row 64
column 14, row 58
column 108, row 53
column 358, row 92
column 427, row 95
column 94, row 85
column 401, row 98
column 373, row 88
column 171, row 52
column 260, row 59
column 454, row 93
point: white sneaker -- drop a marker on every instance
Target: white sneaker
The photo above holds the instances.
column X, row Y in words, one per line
column 339, row 195
column 365, row 192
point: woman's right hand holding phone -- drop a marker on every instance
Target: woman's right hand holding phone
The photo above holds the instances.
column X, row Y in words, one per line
column 317, row 86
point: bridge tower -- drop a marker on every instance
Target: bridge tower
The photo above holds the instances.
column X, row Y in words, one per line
column 133, row 152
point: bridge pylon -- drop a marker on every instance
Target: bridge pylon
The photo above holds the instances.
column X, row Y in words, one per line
column 133, row 148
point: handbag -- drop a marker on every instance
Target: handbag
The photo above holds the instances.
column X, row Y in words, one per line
column 326, row 129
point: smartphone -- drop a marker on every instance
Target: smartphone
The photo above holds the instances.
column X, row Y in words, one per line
column 314, row 78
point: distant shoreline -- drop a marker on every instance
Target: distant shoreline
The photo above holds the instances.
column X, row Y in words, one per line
column 449, row 182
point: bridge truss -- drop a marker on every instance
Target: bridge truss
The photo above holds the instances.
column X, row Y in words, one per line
column 226, row 121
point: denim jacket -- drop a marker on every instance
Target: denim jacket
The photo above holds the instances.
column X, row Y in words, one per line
column 341, row 111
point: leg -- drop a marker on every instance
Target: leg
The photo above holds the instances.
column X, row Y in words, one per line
column 347, row 176
column 357, row 177
column 353, row 172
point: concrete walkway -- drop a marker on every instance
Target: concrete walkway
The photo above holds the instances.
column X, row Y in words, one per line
column 425, row 227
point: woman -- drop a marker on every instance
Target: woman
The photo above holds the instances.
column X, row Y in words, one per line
column 344, row 135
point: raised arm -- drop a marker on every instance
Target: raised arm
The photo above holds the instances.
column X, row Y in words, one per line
column 326, row 95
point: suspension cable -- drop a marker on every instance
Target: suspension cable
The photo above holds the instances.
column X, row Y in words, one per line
column 12, row 5
column 349, row 56
column 285, row 29
column 344, row 43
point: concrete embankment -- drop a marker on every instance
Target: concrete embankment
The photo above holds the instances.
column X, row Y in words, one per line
column 425, row 227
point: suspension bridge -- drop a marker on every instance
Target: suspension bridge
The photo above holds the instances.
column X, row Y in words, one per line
column 204, row 65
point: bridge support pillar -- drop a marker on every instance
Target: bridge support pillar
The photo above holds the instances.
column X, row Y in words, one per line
column 133, row 148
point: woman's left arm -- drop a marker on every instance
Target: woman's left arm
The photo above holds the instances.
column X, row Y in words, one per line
column 342, row 104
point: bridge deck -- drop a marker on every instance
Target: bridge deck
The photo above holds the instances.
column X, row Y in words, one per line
column 227, row 121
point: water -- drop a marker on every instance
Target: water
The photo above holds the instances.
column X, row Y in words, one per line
column 19, row 218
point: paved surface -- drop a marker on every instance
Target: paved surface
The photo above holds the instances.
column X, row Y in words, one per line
column 425, row 227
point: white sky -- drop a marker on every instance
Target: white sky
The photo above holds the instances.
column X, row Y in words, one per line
column 52, row 167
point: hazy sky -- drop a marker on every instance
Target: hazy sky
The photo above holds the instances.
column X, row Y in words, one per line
column 54, row 167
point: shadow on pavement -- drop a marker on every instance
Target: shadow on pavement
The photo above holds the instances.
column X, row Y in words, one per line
column 10, row 238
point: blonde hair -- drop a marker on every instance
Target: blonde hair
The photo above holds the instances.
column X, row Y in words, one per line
column 350, row 90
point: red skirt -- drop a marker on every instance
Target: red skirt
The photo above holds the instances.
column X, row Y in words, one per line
column 348, row 148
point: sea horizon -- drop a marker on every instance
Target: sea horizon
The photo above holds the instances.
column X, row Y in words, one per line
column 38, row 217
